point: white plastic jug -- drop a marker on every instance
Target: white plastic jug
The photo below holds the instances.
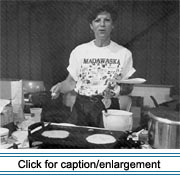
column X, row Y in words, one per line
column 117, row 120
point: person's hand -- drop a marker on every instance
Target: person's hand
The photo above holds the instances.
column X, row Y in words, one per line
column 111, row 92
column 126, row 89
column 56, row 90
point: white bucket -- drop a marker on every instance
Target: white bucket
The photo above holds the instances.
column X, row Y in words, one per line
column 117, row 120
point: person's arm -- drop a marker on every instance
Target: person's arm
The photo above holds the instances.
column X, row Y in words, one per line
column 126, row 89
column 115, row 87
column 118, row 89
column 127, row 72
column 63, row 87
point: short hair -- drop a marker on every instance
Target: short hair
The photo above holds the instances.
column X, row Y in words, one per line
column 96, row 9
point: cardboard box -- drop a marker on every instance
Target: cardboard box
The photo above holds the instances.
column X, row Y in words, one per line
column 6, row 116
column 13, row 91
column 5, row 89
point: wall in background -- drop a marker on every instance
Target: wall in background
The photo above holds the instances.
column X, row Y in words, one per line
column 38, row 36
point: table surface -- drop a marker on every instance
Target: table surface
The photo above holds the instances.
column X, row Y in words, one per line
column 76, row 139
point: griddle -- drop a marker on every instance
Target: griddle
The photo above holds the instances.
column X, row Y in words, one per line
column 76, row 138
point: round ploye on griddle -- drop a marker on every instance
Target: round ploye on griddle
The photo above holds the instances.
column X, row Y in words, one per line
column 61, row 134
column 101, row 139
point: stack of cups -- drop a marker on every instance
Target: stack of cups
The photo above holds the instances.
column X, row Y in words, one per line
column 36, row 114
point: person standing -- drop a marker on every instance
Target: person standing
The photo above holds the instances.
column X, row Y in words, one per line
column 95, row 69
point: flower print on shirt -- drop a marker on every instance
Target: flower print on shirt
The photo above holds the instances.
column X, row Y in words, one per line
column 95, row 73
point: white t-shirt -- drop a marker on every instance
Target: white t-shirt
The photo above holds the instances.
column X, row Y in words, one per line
column 92, row 67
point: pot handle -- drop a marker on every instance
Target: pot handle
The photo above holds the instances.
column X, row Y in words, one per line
column 150, row 121
column 154, row 101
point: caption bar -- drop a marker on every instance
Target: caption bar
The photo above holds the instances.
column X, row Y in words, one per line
column 81, row 164
column 90, row 163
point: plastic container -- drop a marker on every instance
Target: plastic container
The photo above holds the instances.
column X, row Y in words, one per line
column 117, row 120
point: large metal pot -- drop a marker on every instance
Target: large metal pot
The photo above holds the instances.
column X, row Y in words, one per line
column 164, row 129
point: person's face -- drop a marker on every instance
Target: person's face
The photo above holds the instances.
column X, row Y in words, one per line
column 102, row 25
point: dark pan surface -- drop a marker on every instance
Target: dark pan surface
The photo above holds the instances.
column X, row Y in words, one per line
column 77, row 136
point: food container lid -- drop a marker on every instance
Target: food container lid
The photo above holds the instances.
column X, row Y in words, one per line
column 20, row 135
column 166, row 117
column 3, row 131
column 165, row 113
